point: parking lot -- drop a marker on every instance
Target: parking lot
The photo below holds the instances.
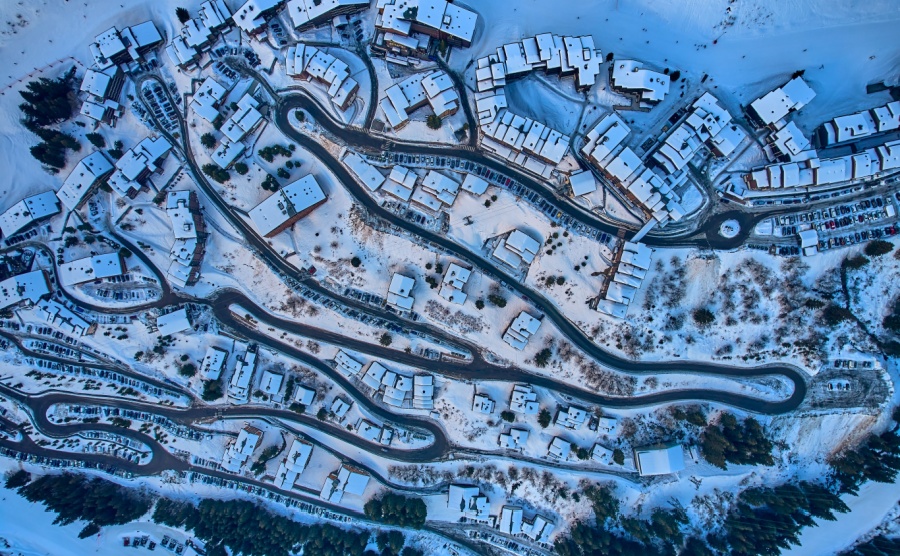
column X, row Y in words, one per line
column 158, row 103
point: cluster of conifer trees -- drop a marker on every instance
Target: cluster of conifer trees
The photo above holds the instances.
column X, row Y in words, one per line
column 48, row 102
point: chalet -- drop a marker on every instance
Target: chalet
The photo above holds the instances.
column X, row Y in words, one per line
column 286, row 206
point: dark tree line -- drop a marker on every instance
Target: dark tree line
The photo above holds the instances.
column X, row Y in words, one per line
column 75, row 497
column 48, row 102
column 247, row 528
column 879, row 546
column 877, row 459
column 395, row 509
column 733, row 442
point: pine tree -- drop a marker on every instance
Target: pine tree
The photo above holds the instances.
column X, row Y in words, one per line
column 182, row 15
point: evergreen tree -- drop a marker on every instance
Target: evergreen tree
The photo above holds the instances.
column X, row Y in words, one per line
column 182, row 15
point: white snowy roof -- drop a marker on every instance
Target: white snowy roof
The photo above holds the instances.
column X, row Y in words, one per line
column 777, row 104
column 237, row 453
column 482, row 403
column 347, row 364
column 524, row 400
column 227, row 153
column 559, row 448
column 514, row 439
column 523, row 244
column 213, row 363
column 582, row 183
column 659, row 460
column 251, row 15
column 62, row 317
column 27, row 286
column 441, row 186
column 286, row 203
column 207, row 98
column 511, row 519
column 90, row 268
column 85, row 175
column 27, row 211
column 520, row 330
column 174, row 322
column 400, row 182
column 809, row 238
column 304, row 395
column 571, row 417
column 96, row 83
column 304, row 12
column 467, row 501
column 400, row 292
column 244, row 119
column 630, row 74
column 270, row 383
column 367, row 174
column 475, row 185
column 137, row 162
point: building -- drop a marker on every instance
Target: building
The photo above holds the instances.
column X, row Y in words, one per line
column 515, row 439
column 270, row 384
column 397, row 388
column 198, row 33
column 243, row 120
column 368, row 430
column 340, row 407
column 482, row 404
column 517, row 249
column 174, row 322
column 559, row 449
column 525, row 142
column 238, row 452
column 562, row 55
column 524, row 400
column 207, row 99
column 659, row 459
column 305, row 14
column 522, row 328
column 511, row 520
column 465, row 501
column 26, row 287
column 631, row 76
column 28, row 211
column 128, row 47
column 252, row 15
column 454, row 281
column 87, row 174
column 601, row 454
column 293, row 464
column 789, row 144
column 474, row 185
column 313, row 64
column 304, row 396
column 286, row 206
column 102, row 90
column 227, row 152
column 365, row 172
column 436, row 191
column 423, row 392
column 539, row 529
column 434, row 89
column 64, row 318
column 582, row 183
column 347, row 364
column 436, row 18
column 91, row 268
column 137, row 164
column 572, row 418
column 400, row 291
column 856, row 126
column 347, row 479
column 770, row 109
column 189, row 229
column 239, row 387
column 634, row 262
column 213, row 363
column 400, row 183
column 809, row 241
column 374, row 374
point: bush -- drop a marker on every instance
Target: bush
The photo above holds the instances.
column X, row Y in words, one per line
column 878, row 248
column 212, row 390
column 300, row 115
column 18, row 479
column 544, row 418
column 207, row 140
column 703, row 316
column 433, row 121
column 96, row 139
column 241, row 168
column 856, row 262
column 508, row 416
column 188, row 370
column 618, row 457
column 283, row 173
column 182, row 15
column 355, row 262
column 321, row 414
column 479, row 304
column 543, row 357
column 297, row 407
column 216, row 173
column 89, row 530
column 385, row 339
column 497, row 300
column 835, row 314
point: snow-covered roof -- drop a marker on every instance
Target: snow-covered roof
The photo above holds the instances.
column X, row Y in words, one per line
column 96, row 83
column 777, row 104
column 250, row 16
column 227, row 152
column 367, row 174
column 136, row 163
column 454, row 280
column 206, row 99
column 309, row 12
column 82, row 179
column 27, row 211
column 90, row 268
column 571, row 417
column 270, row 383
column 347, row 364
column 511, row 519
column 304, row 395
column 62, row 317
column 514, row 439
column 244, row 119
column 809, row 238
column 659, row 460
column 524, row 400
column 30, row 286
column 468, row 502
column 482, row 403
column 630, row 74
column 346, row 479
column 852, row 127
column 238, row 452
column 423, row 392
column 400, row 182
column 213, row 363
column 441, row 187
column 559, row 448
column 239, row 387
column 174, row 322
column 287, row 205
column 520, row 330
column 449, row 19
column 475, row 185
column 400, row 292
column 293, row 464
column 582, row 183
